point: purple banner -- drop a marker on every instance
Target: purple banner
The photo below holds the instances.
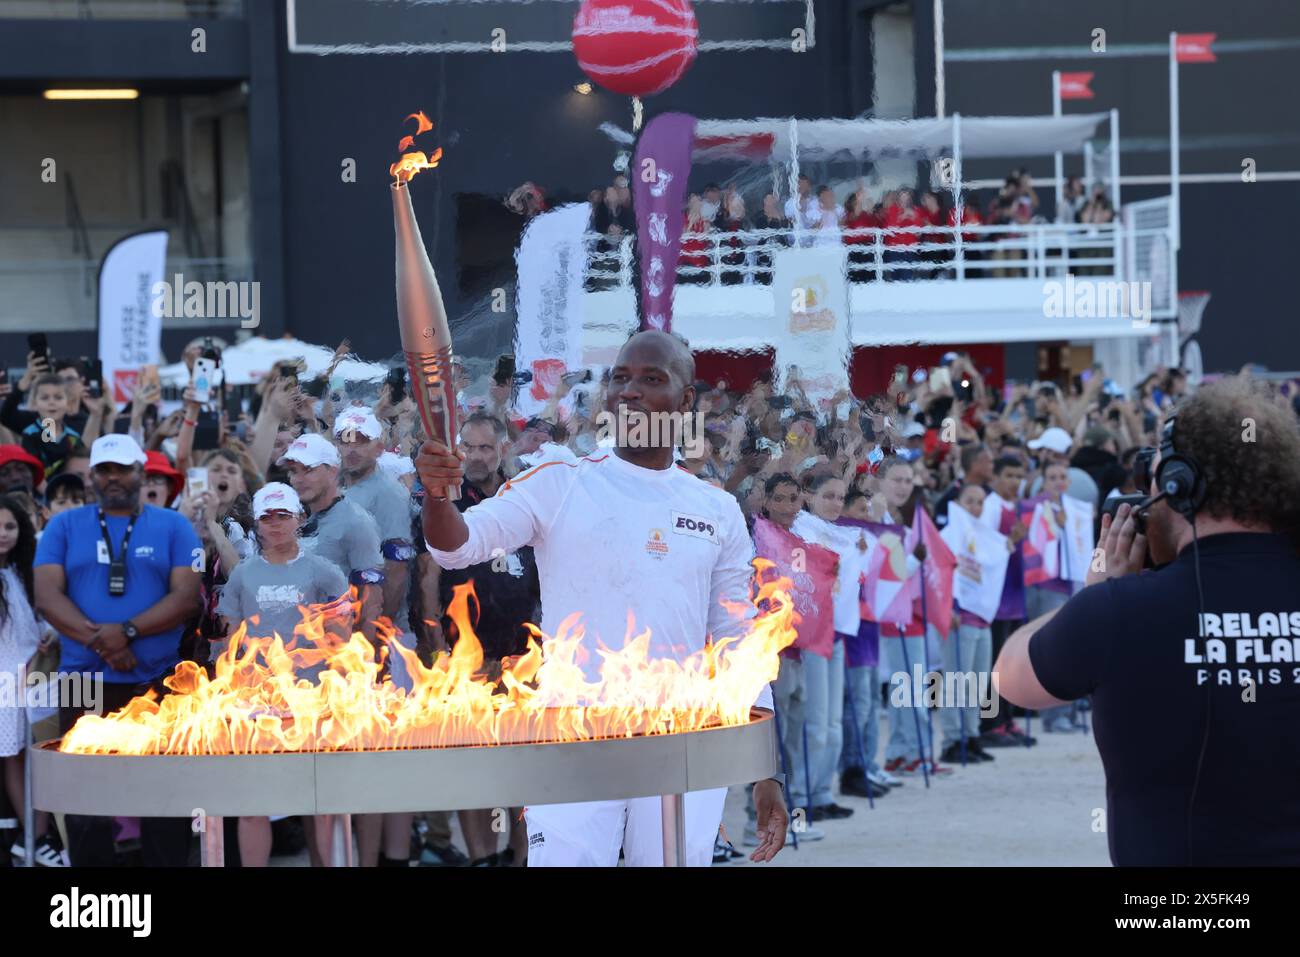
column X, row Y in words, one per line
column 660, row 168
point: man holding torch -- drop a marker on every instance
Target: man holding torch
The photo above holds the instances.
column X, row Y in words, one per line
column 622, row 534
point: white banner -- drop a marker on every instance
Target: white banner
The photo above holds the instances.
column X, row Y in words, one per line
column 810, row 291
column 130, row 334
column 550, row 265
column 982, row 555
column 1077, row 542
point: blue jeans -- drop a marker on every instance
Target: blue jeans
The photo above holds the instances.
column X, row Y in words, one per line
column 976, row 656
column 861, row 702
column 809, row 695
column 906, row 660
column 1038, row 602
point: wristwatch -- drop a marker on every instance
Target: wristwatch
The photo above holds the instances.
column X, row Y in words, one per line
column 130, row 630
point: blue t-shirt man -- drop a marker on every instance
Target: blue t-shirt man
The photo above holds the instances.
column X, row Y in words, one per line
column 161, row 540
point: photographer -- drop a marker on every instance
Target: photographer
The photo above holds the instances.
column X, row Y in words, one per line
column 1191, row 667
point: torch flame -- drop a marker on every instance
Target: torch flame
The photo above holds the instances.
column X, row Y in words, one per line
column 258, row 701
column 413, row 161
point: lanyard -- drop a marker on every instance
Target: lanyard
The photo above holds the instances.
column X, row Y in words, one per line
column 117, row 565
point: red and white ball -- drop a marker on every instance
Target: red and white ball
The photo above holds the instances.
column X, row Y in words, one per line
column 635, row 47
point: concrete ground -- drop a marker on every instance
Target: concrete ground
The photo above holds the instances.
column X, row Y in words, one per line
column 1043, row 805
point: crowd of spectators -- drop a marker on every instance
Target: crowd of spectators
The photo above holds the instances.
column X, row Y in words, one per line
column 899, row 234
column 312, row 498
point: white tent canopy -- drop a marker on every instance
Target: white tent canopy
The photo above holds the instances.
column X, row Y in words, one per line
column 980, row 137
column 251, row 360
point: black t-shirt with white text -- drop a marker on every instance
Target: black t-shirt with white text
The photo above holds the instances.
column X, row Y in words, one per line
column 1168, row 683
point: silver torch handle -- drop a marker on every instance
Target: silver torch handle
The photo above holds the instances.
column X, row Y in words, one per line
column 426, row 335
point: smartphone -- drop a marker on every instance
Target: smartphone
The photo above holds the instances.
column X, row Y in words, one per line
column 207, row 433
column 287, row 370
column 40, row 346
column 396, row 380
column 505, row 369
column 940, row 378
column 315, row 388
column 204, row 381
column 95, row 385
column 779, row 402
column 577, row 378
column 196, row 481
column 234, row 406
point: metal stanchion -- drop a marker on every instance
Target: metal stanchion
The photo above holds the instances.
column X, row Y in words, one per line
column 29, row 813
column 212, row 843
column 341, row 841
column 673, row 808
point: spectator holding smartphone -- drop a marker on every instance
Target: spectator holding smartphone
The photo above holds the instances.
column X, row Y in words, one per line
column 117, row 581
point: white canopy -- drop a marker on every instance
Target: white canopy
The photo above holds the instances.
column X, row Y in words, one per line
column 250, row 361
column 982, row 137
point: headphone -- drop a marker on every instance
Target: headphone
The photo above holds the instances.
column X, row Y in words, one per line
column 1179, row 479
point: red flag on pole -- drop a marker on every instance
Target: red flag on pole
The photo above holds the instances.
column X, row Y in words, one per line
column 1195, row 48
column 1074, row 86
column 939, row 565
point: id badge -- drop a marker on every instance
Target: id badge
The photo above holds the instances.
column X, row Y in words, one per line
column 117, row 578
column 101, row 552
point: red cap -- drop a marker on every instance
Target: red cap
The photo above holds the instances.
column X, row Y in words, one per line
column 157, row 463
column 16, row 453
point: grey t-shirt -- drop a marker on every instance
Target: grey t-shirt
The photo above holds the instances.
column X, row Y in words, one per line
column 271, row 593
column 389, row 503
column 345, row 535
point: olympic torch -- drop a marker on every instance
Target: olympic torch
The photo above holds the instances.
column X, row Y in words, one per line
column 421, row 316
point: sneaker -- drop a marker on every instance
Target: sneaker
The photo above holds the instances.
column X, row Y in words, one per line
column 830, row 812
column 974, row 747
column 809, row 833
column 883, row 779
column 859, row 785
column 723, row 851
column 999, row 738
column 896, row 765
column 1020, row 737
column 912, row 767
column 953, row 754
column 938, row 770
column 47, row 853
column 446, row 856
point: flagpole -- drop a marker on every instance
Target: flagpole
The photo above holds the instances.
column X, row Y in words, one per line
column 925, row 654
column 961, row 712
column 1174, row 134
column 1060, row 162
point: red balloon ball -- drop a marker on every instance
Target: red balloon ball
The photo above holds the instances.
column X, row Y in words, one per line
column 635, row 47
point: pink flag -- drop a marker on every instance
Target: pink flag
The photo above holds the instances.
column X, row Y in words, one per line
column 1042, row 544
column 811, row 568
column 939, row 565
column 888, row 591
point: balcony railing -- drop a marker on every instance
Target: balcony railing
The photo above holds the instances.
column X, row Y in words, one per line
column 744, row 257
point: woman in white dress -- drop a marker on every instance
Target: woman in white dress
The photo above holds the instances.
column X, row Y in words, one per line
column 20, row 638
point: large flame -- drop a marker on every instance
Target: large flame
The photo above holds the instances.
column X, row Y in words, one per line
column 258, row 701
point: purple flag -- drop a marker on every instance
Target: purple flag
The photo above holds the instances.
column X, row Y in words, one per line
column 660, row 168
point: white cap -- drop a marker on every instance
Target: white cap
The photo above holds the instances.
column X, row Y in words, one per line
column 276, row 497
column 913, row 430
column 311, row 450
column 396, row 465
column 358, row 419
column 1056, row 439
column 119, row 449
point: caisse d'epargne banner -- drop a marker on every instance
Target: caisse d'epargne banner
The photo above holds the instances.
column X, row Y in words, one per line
column 549, row 300
column 130, row 330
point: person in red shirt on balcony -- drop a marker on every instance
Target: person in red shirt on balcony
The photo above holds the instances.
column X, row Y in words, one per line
column 970, row 216
column 858, row 216
column 695, row 248
column 901, row 246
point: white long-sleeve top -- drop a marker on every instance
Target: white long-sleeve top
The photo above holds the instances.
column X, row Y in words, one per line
column 629, row 548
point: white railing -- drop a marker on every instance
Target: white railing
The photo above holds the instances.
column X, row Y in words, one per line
column 1033, row 250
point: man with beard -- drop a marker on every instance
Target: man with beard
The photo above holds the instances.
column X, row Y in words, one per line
column 117, row 580
column 1191, row 667
column 20, row 471
column 612, row 544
